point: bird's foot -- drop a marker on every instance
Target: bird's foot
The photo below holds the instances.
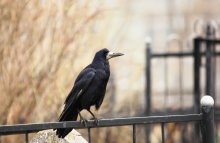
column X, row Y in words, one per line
column 96, row 120
column 84, row 122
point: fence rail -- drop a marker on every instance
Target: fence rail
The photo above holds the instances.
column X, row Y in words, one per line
column 179, row 54
column 206, row 118
column 29, row 128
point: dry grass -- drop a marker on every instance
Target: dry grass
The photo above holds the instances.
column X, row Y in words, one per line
column 41, row 42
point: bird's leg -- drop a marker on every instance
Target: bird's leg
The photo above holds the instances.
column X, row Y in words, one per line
column 94, row 117
column 82, row 120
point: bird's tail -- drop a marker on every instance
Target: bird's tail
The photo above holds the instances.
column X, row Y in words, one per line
column 66, row 116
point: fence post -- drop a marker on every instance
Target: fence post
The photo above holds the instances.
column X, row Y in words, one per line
column 209, row 62
column 148, row 78
column 197, row 63
column 207, row 123
column 148, row 86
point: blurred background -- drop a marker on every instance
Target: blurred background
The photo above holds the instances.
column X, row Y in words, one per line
column 45, row 44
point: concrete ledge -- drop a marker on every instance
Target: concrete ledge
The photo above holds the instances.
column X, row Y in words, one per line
column 49, row 136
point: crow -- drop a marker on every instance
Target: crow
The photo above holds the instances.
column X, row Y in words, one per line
column 88, row 90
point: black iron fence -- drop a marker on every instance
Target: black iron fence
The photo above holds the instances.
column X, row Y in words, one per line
column 203, row 49
column 203, row 68
column 205, row 118
column 197, row 55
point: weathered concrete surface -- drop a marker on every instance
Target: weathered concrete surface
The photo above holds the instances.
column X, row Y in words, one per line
column 49, row 136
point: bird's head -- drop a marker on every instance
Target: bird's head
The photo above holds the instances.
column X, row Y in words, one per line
column 106, row 54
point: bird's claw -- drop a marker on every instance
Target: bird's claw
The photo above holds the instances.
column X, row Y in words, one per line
column 96, row 121
column 84, row 122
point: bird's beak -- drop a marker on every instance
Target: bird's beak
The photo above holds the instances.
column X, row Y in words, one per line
column 112, row 55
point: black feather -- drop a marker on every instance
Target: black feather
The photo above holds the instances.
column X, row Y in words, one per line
column 88, row 90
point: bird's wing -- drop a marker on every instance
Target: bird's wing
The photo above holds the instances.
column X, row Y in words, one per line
column 81, row 84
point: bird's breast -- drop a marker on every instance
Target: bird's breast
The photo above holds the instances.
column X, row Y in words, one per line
column 102, row 74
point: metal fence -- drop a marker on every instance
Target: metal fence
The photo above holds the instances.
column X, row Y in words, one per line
column 206, row 120
column 196, row 55
column 204, row 50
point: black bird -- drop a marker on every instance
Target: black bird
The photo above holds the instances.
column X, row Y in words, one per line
column 88, row 90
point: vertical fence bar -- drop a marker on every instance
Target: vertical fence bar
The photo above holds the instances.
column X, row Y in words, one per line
column 197, row 62
column 26, row 138
column 166, row 82
column 214, row 68
column 89, row 135
column 162, row 133
column 180, row 76
column 207, row 123
column 148, row 80
column 214, row 82
column 134, row 133
column 209, row 67
column 148, row 88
